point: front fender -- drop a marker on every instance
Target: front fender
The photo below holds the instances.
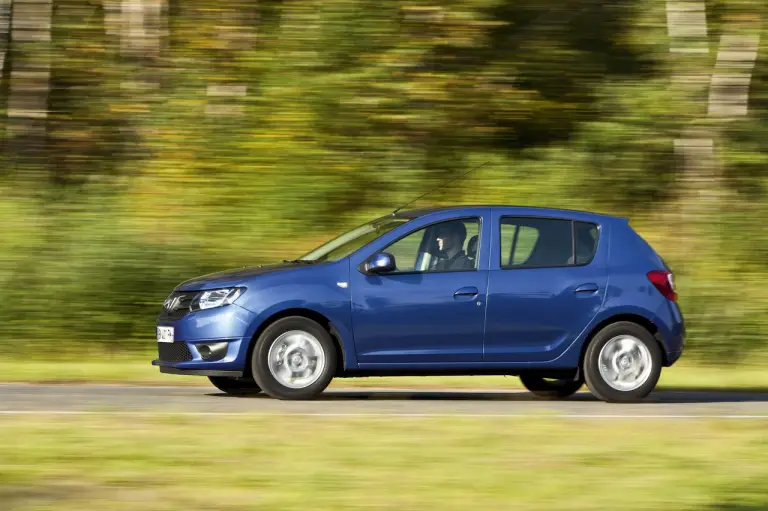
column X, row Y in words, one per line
column 322, row 290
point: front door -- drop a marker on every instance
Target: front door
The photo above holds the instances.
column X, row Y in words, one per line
column 431, row 308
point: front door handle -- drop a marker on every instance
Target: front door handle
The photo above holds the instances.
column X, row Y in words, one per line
column 587, row 288
column 466, row 291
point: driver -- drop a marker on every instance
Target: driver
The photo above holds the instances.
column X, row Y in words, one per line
column 450, row 240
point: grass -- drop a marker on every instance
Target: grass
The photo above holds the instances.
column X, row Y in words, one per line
column 287, row 463
column 139, row 371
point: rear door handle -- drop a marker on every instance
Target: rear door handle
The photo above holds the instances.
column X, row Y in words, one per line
column 587, row 288
column 466, row 291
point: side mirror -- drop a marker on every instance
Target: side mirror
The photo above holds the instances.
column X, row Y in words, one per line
column 381, row 263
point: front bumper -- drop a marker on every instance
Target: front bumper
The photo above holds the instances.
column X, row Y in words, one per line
column 222, row 324
column 198, row 372
column 233, row 360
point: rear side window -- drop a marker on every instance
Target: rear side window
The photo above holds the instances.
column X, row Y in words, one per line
column 546, row 242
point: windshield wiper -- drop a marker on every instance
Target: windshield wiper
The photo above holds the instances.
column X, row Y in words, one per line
column 299, row 261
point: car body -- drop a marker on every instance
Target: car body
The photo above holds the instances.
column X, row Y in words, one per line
column 529, row 301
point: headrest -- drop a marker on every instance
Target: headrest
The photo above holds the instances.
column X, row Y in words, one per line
column 472, row 247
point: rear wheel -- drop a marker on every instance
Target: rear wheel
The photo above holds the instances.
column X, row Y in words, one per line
column 622, row 363
column 294, row 358
column 235, row 386
column 550, row 388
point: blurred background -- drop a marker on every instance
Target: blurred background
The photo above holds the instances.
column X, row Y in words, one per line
column 144, row 142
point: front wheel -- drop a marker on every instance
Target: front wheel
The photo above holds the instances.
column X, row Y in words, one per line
column 547, row 388
column 294, row 358
column 622, row 363
column 235, row 386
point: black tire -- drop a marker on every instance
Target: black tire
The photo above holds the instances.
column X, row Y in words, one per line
column 235, row 386
column 550, row 388
column 595, row 381
column 259, row 359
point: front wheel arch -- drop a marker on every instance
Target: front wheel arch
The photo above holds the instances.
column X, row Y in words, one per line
column 305, row 313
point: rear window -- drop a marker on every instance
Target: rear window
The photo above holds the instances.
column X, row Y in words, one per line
column 546, row 242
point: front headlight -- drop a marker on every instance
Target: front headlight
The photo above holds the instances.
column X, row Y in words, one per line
column 216, row 298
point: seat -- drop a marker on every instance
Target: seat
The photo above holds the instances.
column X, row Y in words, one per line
column 552, row 249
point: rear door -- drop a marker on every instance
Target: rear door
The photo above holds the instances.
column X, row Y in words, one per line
column 547, row 281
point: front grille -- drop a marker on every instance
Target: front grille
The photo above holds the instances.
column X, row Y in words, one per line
column 177, row 305
column 174, row 351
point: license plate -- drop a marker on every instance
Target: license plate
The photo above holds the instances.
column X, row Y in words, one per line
column 165, row 334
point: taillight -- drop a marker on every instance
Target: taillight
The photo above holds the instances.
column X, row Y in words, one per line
column 664, row 281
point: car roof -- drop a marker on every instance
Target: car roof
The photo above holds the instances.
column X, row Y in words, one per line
column 508, row 209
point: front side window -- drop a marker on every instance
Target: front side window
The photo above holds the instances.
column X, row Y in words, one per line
column 353, row 240
column 546, row 242
column 441, row 247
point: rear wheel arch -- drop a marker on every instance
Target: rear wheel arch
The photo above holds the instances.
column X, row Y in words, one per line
column 630, row 318
column 315, row 316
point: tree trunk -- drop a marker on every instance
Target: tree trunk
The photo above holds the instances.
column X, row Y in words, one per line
column 5, row 31
column 235, row 31
column 30, row 75
column 141, row 29
column 727, row 88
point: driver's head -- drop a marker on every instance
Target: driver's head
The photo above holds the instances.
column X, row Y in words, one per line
column 451, row 236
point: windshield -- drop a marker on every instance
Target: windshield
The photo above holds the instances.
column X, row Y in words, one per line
column 347, row 243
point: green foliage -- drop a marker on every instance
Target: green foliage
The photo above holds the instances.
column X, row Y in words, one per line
column 352, row 107
column 125, row 460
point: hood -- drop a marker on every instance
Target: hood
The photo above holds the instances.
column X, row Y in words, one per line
column 235, row 277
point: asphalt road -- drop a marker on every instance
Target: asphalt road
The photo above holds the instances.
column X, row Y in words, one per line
column 111, row 399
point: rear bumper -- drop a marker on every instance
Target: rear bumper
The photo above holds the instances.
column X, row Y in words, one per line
column 672, row 329
column 673, row 356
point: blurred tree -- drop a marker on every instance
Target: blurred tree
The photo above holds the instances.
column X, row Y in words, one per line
column 146, row 141
column 29, row 80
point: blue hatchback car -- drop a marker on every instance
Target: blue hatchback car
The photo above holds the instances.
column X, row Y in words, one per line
column 559, row 298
